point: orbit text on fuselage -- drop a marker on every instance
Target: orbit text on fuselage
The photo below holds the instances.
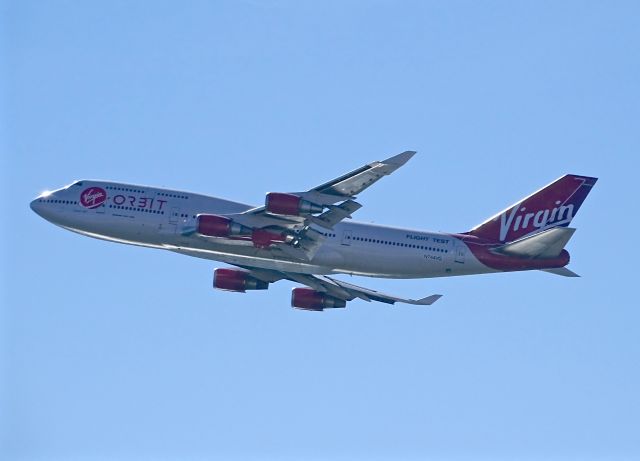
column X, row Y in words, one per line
column 138, row 202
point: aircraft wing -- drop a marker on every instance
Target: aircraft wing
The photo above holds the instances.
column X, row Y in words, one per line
column 337, row 288
column 336, row 199
column 354, row 182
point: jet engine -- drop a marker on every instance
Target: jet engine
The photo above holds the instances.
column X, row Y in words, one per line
column 290, row 204
column 219, row 226
column 312, row 300
column 264, row 238
column 236, row 280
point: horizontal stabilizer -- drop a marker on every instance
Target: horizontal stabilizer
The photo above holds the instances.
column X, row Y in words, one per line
column 429, row 300
column 563, row 271
column 546, row 244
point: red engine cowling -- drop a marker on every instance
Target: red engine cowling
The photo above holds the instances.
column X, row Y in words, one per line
column 263, row 238
column 236, row 280
column 312, row 300
column 219, row 226
column 290, row 204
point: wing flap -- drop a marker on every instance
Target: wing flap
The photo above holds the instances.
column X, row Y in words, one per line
column 358, row 180
column 338, row 288
column 386, row 298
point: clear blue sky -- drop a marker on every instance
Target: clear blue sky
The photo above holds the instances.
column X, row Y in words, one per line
column 115, row 352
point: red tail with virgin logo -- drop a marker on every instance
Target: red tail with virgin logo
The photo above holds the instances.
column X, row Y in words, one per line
column 554, row 205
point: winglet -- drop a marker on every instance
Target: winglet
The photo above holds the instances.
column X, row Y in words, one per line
column 399, row 159
column 424, row 301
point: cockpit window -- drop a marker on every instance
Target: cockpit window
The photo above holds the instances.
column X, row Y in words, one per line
column 77, row 183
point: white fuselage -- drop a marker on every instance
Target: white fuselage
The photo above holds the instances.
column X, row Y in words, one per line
column 163, row 218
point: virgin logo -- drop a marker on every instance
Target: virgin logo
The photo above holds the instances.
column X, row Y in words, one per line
column 519, row 222
column 93, row 197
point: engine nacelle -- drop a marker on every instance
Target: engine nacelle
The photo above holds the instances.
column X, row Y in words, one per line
column 312, row 300
column 219, row 226
column 290, row 204
column 263, row 238
column 236, row 280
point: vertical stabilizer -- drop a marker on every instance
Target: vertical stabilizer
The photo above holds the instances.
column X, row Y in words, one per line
column 552, row 206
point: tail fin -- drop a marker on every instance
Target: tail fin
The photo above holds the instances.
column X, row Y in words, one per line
column 552, row 206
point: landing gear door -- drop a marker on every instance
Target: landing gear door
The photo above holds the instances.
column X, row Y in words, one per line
column 169, row 223
column 174, row 215
column 346, row 237
column 459, row 252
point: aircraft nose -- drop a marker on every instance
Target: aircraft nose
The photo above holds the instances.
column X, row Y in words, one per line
column 39, row 207
column 35, row 206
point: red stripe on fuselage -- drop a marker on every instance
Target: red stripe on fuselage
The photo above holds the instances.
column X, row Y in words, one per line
column 482, row 250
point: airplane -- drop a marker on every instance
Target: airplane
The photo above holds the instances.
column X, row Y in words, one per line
column 305, row 237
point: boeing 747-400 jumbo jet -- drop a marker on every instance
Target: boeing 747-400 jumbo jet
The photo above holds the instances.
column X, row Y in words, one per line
column 304, row 237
